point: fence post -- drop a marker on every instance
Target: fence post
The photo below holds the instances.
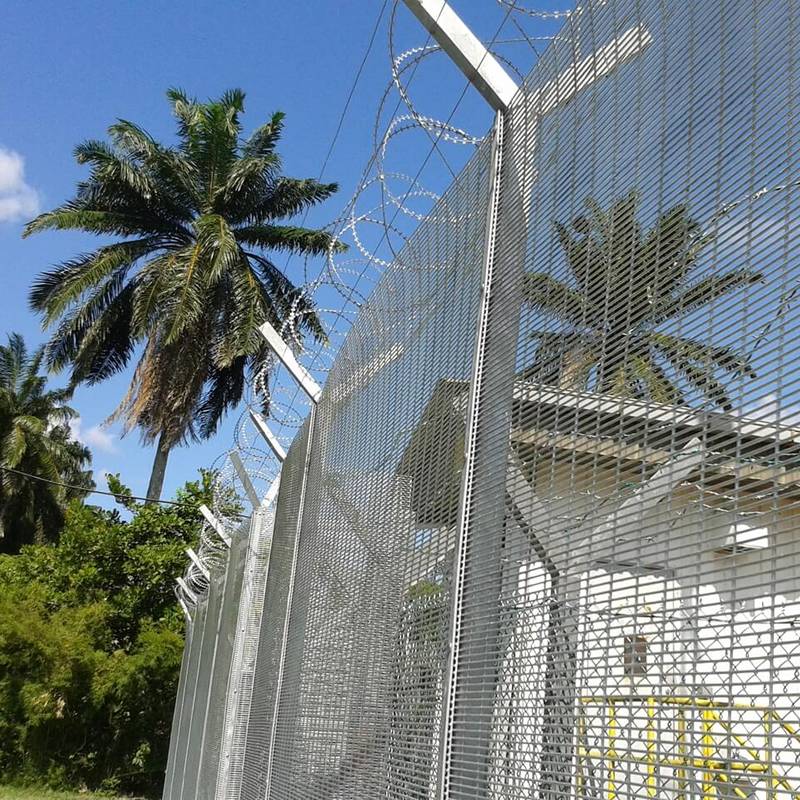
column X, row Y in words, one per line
column 476, row 614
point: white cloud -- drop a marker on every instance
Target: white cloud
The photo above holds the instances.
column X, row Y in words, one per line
column 769, row 410
column 18, row 200
column 95, row 437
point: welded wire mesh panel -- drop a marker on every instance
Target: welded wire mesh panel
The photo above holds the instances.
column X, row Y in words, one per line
column 187, row 691
column 243, row 659
column 267, row 669
column 627, row 590
column 175, row 743
column 371, row 590
column 203, row 685
column 219, row 687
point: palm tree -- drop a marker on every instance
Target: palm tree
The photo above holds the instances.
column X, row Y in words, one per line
column 35, row 441
column 186, row 286
column 627, row 287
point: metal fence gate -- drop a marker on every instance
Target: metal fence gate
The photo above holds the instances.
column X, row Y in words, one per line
column 540, row 537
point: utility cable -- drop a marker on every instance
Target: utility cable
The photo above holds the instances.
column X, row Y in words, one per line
column 353, row 88
column 85, row 490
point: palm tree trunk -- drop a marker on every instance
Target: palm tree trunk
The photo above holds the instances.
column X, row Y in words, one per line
column 159, row 470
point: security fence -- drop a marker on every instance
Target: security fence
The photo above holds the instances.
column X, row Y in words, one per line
column 540, row 536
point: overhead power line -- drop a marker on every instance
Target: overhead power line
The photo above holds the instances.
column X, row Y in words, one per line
column 98, row 491
column 352, row 92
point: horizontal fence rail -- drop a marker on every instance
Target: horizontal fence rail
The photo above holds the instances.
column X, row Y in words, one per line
column 540, row 535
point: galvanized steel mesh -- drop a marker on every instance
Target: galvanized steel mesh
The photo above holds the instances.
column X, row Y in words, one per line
column 541, row 535
column 198, row 720
column 240, row 688
column 256, row 757
column 367, row 544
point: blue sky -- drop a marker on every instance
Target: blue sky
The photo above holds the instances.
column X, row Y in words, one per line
column 71, row 69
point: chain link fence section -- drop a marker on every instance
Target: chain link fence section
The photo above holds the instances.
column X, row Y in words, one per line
column 541, row 535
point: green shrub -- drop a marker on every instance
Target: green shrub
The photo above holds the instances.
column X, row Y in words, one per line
column 91, row 644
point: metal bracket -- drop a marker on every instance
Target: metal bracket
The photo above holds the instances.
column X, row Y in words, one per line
column 185, row 610
column 250, row 490
column 272, row 492
column 468, row 53
column 289, row 360
column 268, row 435
column 215, row 524
column 195, row 559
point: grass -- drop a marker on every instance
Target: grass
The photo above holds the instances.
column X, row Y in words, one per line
column 27, row 793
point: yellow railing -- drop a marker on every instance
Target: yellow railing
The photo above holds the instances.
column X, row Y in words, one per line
column 699, row 754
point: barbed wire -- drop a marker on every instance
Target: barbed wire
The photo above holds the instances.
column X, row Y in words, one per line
column 386, row 203
column 375, row 220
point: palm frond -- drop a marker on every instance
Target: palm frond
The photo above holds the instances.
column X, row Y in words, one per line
column 75, row 216
column 108, row 344
column 292, row 196
column 218, row 249
column 666, row 254
column 13, row 360
column 248, row 180
column 678, row 347
column 562, row 358
column 289, row 238
column 185, row 295
column 223, row 391
column 13, row 447
column 188, row 113
column 706, row 291
column 658, row 387
column 108, row 167
column 263, row 140
column 283, row 298
column 54, row 291
column 233, row 101
column 152, row 292
column 95, row 339
column 245, row 310
column 554, row 297
column 706, row 382
column 134, row 141
column 217, row 144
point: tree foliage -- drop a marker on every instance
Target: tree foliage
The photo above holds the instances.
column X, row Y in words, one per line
column 90, row 646
column 190, row 276
column 627, row 286
column 35, row 439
